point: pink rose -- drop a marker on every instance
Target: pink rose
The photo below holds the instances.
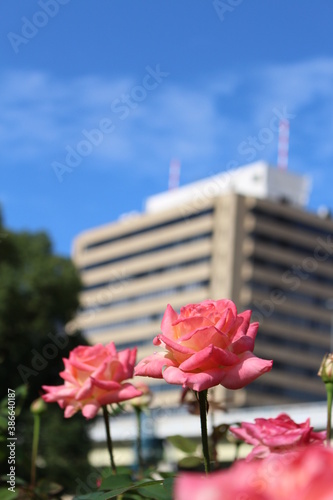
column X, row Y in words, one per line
column 205, row 345
column 305, row 475
column 276, row 435
column 94, row 377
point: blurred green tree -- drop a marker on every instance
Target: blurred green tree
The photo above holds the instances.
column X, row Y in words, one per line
column 38, row 296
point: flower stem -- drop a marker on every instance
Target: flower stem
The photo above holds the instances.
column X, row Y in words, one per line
column 138, row 413
column 109, row 440
column 35, row 441
column 329, row 390
column 203, row 419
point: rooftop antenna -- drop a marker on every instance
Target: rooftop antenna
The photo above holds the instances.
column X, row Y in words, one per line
column 174, row 174
column 283, row 145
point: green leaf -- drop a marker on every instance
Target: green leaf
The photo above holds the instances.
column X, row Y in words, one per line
column 116, row 481
column 99, row 495
column 182, row 443
column 48, row 487
column 19, row 481
column 190, row 462
column 8, row 495
column 157, row 492
column 168, row 484
column 118, row 491
column 3, row 422
column 171, row 475
column 116, row 409
column 132, row 496
column 21, row 391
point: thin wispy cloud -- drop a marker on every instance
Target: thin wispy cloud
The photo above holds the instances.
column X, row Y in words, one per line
column 198, row 122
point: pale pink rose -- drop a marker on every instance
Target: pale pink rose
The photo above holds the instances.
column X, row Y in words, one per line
column 276, row 435
column 94, row 377
column 205, row 345
column 305, row 475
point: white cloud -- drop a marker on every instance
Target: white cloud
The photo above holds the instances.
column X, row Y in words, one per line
column 41, row 115
column 300, row 82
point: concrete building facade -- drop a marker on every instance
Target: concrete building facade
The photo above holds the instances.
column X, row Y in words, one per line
column 243, row 235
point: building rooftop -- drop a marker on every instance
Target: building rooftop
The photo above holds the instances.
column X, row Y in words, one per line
column 259, row 180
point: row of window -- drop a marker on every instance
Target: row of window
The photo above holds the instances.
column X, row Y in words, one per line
column 290, row 288
column 273, row 340
column 268, row 309
column 294, row 395
column 141, row 320
column 153, row 272
column 142, row 297
column 321, row 238
column 291, row 222
column 148, row 228
column 153, row 249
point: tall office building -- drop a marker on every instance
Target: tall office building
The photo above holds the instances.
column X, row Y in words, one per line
column 243, row 235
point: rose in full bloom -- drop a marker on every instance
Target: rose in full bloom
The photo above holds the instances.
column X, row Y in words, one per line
column 276, row 435
column 207, row 344
column 94, row 377
column 305, row 475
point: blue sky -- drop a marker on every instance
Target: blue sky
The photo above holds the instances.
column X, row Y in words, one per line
column 97, row 97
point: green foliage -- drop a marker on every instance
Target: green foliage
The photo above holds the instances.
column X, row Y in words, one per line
column 126, row 488
column 38, row 296
column 21, row 394
column 193, row 460
column 182, row 443
column 63, row 447
column 7, row 495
